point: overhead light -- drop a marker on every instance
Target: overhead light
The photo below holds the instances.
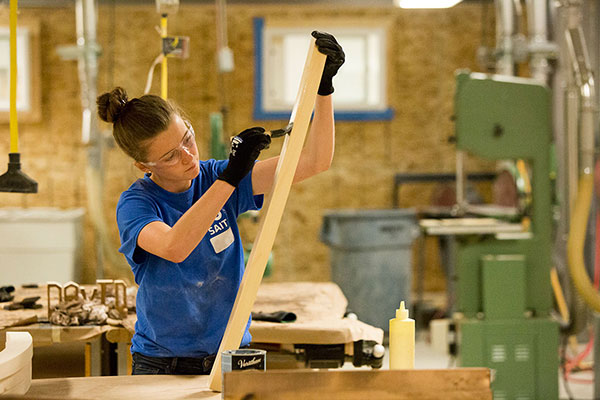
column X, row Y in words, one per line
column 426, row 3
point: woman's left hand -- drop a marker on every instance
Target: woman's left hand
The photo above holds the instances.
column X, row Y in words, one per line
column 327, row 45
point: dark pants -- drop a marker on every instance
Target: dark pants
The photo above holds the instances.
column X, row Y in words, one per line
column 145, row 365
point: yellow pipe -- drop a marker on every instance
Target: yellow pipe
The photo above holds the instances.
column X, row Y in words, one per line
column 575, row 244
column 163, row 70
column 562, row 306
column 559, row 296
column 14, row 131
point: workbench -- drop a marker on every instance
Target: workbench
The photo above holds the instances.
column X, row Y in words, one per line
column 320, row 333
column 43, row 333
column 448, row 384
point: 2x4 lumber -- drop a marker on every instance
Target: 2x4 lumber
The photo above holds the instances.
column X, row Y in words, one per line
column 275, row 204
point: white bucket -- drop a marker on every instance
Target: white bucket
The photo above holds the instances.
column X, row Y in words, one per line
column 40, row 244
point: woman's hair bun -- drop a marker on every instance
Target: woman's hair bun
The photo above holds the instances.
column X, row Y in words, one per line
column 111, row 105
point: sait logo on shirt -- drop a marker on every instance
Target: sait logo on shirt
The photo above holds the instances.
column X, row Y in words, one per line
column 221, row 236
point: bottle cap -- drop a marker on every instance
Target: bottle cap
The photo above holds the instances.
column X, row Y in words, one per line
column 402, row 313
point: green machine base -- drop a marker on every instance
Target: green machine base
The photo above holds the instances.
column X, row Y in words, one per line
column 523, row 356
column 499, row 330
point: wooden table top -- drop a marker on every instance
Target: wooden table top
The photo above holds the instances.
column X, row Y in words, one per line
column 146, row 387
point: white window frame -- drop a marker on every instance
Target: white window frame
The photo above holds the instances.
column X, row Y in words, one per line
column 360, row 85
column 23, row 70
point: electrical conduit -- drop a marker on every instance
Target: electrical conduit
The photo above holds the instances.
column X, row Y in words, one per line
column 164, row 75
column 581, row 210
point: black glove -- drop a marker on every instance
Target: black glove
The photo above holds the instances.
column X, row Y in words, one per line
column 327, row 45
column 5, row 293
column 245, row 149
column 277, row 316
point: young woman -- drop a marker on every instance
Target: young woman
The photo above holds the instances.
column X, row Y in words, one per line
column 178, row 223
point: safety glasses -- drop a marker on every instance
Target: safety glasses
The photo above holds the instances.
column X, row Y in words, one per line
column 174, row 156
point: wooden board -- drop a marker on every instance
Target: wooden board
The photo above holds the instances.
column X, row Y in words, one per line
column 319, row 307
column 447, row 384
column 146, row 387
column 451, row 384
column 275, row 203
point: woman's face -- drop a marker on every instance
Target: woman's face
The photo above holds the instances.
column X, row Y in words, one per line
column 173, row 156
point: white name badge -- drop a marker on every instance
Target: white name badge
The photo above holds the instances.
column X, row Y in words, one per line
column 222, row 241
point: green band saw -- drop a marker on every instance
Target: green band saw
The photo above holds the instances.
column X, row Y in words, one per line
column 504, row 295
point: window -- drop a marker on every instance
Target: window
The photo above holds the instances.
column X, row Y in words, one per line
column 28, row 88
column 23, row 101
column 360, row 85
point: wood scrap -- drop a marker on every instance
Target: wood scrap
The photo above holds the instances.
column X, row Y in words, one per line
column 15, row 363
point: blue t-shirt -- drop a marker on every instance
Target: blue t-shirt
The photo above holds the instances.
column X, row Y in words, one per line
column 183, row 308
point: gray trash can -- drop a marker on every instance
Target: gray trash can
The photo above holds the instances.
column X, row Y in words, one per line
column 371, row 259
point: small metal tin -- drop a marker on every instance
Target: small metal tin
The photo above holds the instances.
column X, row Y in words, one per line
column 234, row 360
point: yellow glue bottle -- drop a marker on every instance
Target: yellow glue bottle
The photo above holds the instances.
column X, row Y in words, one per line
column 402, row 340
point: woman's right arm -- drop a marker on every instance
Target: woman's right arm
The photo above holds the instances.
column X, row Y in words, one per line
column 176, row 243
